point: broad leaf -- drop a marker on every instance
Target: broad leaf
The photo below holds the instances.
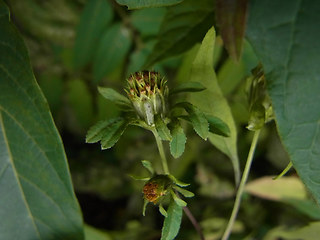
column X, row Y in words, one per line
column 231, row 18
column 115, row 97
column 37, row 199
column 96, row 15
column 188, row 87
column 178, row 141
column 212, row 101
column 111, row 51
column 162, row 129
column 136, row 4
column 172, row 222
column 217, row 126
column 197, row 118
column 293, row 77
column 183, row 26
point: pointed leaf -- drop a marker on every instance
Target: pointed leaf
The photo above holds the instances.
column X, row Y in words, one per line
column 184, row 192
column 162, row 129
column 197, row 118
column 179, row 201
column 293, row 77
column 162, row 211
column 115, row 97
column 148, row 166
column 188, row 87
column 178, row 182
column 95, row 133
column 112, row 133
column 217, row 126
column 96, row 15
column 145, row 203
column 139, row 178
column 231, row 18
column 179, row 139
column 37, row 199
column 212, row 102
column 172, row 222
column 136, row 4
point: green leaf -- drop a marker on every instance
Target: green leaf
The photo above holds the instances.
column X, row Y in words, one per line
column 197, row 118
column 212, row 102
column 147, row 21
column 162, row 129
column 182, row 27
column 231, row 18
column 172, row 222
column 111, row 51
column 293, row 77
column 178, row 200
column 184, row 192
column 188, row 87
column 92, row 233
column 115, row 97
column 178, row 182
column 217, row 126
column 179, row 139
column 136, row 4
column 37, row 199
column 96, row 15
column 162, row 211
column 148, row 166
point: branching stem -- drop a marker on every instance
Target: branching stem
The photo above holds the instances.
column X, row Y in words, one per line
column 241, row 186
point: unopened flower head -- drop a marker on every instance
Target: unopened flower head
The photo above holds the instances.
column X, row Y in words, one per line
column 157, row 187
column 148, row 93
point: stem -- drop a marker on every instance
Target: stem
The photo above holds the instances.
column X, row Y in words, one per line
column 241, row 186
column 194, row 222
column 161, row 151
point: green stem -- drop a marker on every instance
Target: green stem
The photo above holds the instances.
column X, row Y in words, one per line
column 161, row 151
column 241, row 186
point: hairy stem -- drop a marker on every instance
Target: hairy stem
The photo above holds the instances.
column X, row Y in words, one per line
column 241, row 186
column 161, row 151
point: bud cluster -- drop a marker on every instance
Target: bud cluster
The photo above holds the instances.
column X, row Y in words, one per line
column 148, row 93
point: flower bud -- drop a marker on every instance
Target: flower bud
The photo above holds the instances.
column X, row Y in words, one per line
column 157, row 187
column 148, row 93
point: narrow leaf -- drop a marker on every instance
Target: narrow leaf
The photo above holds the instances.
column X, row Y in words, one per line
column 162, row 211
column 231, row 18
column 178, row 142
column 179, row 201
column 293, row 77
column 184, row 192
column 162, row 129
column 178, row 182
column 172, row 222
column 212, row 102
column 188, row 87
column 96, row 15
column 148, row 166
column 217, row 126
column 197, row 118
column 136, row 4
column 37, row 199
column 115, row 97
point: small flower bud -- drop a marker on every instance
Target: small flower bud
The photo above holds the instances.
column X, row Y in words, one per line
column 157, row 187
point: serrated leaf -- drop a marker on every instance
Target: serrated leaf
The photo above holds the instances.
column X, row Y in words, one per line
column 217, row 126
column 293, row 77
column 111, row 51
column 37, row 198
column 96, row 131
column 188, row 87
column 96, row 15
column 172, row 222
column 212, row 102
column 231, row 18
column 162, row 129
column 112, row 133
column 197, row 118
column 115, row 97
column 136, row 4
column 184, row 192
column 148, row 166
column 179, row 139
column 182, row 27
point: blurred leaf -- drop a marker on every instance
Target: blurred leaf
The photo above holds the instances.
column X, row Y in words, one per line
column 182, row 27
column 184, row 192
column 286, row 40
column 96, row 15
column 92, row 233
column 212, row 101
column 139, row 56
column 172, row 222
column 80, row 100
column 37, row 198
column 112, row 49
column 115, row 97
column 136, row 4
column 188, row 87
column 307, row 207
column 147, row 21
column 148, row 166
column 162, row 129
column 178, row 141
column 197, row 118
column 231, row 18
column 217, row 126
